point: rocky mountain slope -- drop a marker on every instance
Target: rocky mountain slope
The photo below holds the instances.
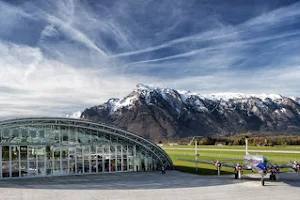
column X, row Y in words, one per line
column 163, row 113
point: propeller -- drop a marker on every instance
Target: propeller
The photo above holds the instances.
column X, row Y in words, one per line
column 218, row 165
column 238, row 171
column 275, row 168
column 238, row 167
column 295, row 165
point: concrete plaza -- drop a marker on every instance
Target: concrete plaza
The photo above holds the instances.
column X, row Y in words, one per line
column 150, row 185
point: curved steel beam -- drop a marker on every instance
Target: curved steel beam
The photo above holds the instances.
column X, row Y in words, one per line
column 90, row 125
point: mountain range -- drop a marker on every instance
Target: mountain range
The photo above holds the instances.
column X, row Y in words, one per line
column 161, row 114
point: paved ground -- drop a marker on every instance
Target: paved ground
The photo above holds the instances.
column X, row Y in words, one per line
column 150, row 185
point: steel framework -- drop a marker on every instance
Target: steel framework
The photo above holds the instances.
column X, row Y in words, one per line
column 90, row 126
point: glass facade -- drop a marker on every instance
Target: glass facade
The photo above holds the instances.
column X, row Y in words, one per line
column 55, row 150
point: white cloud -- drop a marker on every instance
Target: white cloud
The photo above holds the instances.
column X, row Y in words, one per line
column 73, row 65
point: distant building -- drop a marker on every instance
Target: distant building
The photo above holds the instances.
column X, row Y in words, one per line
column 220, row 143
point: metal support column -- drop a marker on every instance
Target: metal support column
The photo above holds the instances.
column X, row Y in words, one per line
column 36, row 161
column 75, row 158
column 52, row 171
column 146, row 162
column 10, row 163
column 19, row 151
column 28, row 161
column 116, row 158
column 127, row 159
column 82, row 158
column 196, row 154
column 0, row 162
column 68, row 159
column 109, row 161
column 103, row 160
column 90, row 163
column 122, row 159
column 45, row 161
column 97, row 159
column 134, row 158
column 60, row 160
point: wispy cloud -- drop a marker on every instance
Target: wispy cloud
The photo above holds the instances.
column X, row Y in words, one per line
column 57, row 57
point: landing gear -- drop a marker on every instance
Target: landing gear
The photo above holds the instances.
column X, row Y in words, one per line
column 273, row 177
column 262, row 182
column 236, row 175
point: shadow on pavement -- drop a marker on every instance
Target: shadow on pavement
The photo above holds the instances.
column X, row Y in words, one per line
column 137, row 181
column 287, row 178
column 118, row 181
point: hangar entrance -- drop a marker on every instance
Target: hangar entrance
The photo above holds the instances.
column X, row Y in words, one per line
column 41, row 147
column 44, row 160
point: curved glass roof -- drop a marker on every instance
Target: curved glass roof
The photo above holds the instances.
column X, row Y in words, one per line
column 86, row 126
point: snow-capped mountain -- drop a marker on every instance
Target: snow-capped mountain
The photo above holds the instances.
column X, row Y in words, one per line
column 164, row 113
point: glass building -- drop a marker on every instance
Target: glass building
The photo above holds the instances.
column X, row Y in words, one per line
column 40, row 147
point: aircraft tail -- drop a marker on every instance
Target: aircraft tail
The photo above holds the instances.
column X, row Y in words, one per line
column 246, row 143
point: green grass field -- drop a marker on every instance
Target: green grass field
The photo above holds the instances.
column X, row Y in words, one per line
column 224, row 156
column 288, row 147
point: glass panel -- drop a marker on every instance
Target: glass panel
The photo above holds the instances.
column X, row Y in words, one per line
column 49, row 167
column 94, row 137
column 64, row 135
column 106, row 158
column 72, row 136
column 24, row 136
column 79, row 160
column 33, row 136
column 86, row 151
column 57, row 170
column 41, row 136
column 41, row 160
column 112, row 158
column 86, row 166
column 56, row 134
column 49, row 135
column 15, row 136
column 130, row 150
column 5, row 161
column 119, row 158
column 119, row 164
column 32, row 161
column 72, row 165
column 99, row 156
column 130, row 162
column 83, row 137
column 64, row 155
column 124, row 162
column 138, row 164
column 150, row 164
column 6, row 136
column 24, row 163
column 93, row 159
column 15, row 161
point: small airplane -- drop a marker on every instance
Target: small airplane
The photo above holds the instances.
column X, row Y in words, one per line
column 256, row 163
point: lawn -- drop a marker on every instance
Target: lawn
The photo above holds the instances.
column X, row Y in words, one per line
column 287, row 147
column 223, row 156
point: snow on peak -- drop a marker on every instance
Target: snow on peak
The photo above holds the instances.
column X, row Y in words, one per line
column 145, row 87
column 116, row 104
column 226, row 96
column 75, row 115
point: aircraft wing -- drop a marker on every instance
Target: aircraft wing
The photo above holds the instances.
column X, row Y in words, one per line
column 213, row 163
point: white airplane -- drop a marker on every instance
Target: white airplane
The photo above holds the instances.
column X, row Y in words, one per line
column 256, row 163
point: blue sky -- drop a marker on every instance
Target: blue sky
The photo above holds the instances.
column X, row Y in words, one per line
column 60, row 56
